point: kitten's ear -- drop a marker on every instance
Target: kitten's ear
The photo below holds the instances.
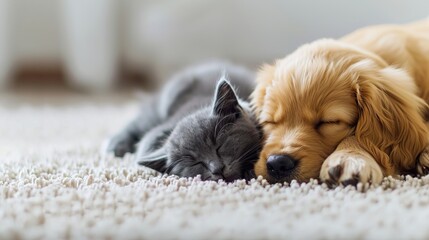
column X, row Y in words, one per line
column 156, row 160
column 225, row 101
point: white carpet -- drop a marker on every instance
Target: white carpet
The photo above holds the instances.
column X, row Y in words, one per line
column 54, row 184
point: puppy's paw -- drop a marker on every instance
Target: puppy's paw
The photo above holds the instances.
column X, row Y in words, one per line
column 423, row 163
column 120, row 145
column 350, row 168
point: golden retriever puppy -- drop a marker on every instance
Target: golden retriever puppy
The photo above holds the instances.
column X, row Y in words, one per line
column 349, row 110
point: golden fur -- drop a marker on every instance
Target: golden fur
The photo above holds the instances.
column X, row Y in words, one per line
column 356, row 105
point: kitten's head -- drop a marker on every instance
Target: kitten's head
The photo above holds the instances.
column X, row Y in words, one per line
column 220, row 142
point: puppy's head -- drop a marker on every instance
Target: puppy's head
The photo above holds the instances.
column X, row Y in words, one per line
column 324, row 92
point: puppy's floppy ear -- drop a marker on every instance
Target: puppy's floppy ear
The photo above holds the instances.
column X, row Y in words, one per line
column 156, row 160
column 264, row 79
column 391, row 118
column 225, row 100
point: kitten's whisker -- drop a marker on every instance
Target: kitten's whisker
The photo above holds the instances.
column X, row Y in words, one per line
column 219, row 122
column 217, row 125
column 248, row 152
column 226, row 125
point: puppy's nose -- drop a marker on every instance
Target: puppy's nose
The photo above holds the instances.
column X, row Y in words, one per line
column 280, row 166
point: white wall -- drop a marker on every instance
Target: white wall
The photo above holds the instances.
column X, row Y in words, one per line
column 36, row 31
column 5, row 43
column 90, row 42
column 164, row 36
column 250, row 32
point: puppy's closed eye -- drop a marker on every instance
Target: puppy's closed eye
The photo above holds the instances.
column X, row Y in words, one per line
column 267, row 123
column 326, row 127
column 328, row 122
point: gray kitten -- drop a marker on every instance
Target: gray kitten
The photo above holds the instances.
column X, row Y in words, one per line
column 186, row 131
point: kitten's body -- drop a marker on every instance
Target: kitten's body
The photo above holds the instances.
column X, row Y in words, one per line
column 183, row 130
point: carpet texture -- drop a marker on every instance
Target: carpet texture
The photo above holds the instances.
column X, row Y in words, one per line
column 54, row 184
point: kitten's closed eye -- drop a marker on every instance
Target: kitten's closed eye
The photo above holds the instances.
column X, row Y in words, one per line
column 188, row 158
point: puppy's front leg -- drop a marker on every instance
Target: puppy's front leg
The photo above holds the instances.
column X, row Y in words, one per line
column 350, row 164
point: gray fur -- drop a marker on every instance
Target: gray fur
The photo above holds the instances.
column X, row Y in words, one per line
column 184, row 130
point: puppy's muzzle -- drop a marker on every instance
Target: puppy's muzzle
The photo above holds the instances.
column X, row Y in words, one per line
column 281, row 166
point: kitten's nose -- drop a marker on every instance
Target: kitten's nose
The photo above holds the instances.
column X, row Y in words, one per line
column 280, row 166
column 216, row 167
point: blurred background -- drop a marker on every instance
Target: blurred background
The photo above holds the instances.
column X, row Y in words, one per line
column 103, row 46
